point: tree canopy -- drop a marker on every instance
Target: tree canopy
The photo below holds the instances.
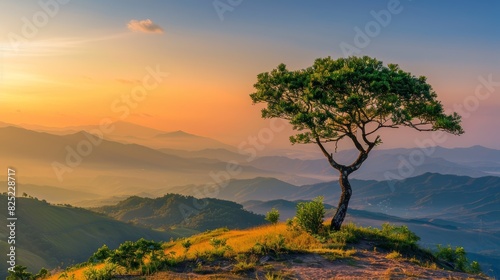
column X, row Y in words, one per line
column 352, row 99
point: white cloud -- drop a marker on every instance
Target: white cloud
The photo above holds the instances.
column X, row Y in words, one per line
column 146, row 26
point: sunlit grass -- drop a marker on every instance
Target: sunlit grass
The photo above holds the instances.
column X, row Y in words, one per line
column 73, row 273
column 242, row 241
column 245, row 248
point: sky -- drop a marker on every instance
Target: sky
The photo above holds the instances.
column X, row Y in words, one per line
column 191, row 65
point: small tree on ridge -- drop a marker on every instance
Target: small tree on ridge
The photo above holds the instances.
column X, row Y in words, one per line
column 350, row 99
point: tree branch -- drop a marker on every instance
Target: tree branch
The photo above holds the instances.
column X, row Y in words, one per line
column 333, row 163
column 355, row 141
column 416, row 126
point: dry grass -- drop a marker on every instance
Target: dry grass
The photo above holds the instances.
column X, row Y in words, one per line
column 394, row 255
column 74, row 273
column 325, row 257
column 242, row 241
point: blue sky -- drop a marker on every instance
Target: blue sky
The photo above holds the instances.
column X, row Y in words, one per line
column 214, row 62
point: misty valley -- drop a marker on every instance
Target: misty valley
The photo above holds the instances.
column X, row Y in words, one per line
column 125, row 191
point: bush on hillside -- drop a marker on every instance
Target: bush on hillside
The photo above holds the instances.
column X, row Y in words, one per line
column 273, row 216
column 458, row 257
column 310, row 215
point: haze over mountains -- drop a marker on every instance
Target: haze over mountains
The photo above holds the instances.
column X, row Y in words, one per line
column 109, row 167
column 473, row 202
column 126, row 132
column 439, row 192
column 132, row 155
column 441, row 209
column 389, row 164
column 106, row 171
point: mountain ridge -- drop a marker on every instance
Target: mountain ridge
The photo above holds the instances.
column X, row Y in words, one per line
column 173, row 210
column 65, row 235
column 411, row 194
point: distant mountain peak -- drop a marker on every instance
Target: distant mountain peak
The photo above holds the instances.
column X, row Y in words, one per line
column 176, row 134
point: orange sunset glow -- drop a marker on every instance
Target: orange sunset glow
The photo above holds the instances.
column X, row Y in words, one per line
column 249, row 139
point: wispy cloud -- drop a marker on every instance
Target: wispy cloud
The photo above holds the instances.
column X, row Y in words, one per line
column 51, row 47
column 146, row 26
column 18, row 79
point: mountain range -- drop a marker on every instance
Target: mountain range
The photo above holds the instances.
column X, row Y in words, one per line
column 470, row 201
column 442, row 209
column 390, row 164
column 75, row 158
column 129, row 133
column 459, row 200
column 72, row 161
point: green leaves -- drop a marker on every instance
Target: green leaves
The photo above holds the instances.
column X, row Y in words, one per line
column 273, row 216
column 335, row 98
column 101, row 255
column 131, row 255
column 458, row 257
column 19, row 273
column 310, row 215
column 348, row 98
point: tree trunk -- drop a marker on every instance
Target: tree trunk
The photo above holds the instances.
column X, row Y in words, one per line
column 339, row 216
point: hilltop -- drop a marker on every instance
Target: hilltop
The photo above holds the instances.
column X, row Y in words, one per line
column 62, row 235
column 177, row 211
column 284, row 251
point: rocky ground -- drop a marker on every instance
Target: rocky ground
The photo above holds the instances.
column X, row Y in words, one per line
column 364, row 264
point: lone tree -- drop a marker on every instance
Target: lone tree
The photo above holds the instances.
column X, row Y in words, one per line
column 351, row 99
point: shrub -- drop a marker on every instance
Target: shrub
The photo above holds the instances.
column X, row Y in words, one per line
column 455, row 256
column 273, row 216
column 245, row 262
column 132, row 255
column 310, row 215
column 218, row 242
column 475, row 268
column 292, row 226
column 343, row 236
column 458, row 257
column 42, row 274
column 271, row 244
column 105, row 273
column 19, row 272
column 186, row 244
column 101, row 255
column 398, row 237
column 90, row 273
column 126, row 256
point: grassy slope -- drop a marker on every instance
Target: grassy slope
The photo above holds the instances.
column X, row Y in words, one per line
column 299, row 248
column 483, row 246
column 52, row 236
